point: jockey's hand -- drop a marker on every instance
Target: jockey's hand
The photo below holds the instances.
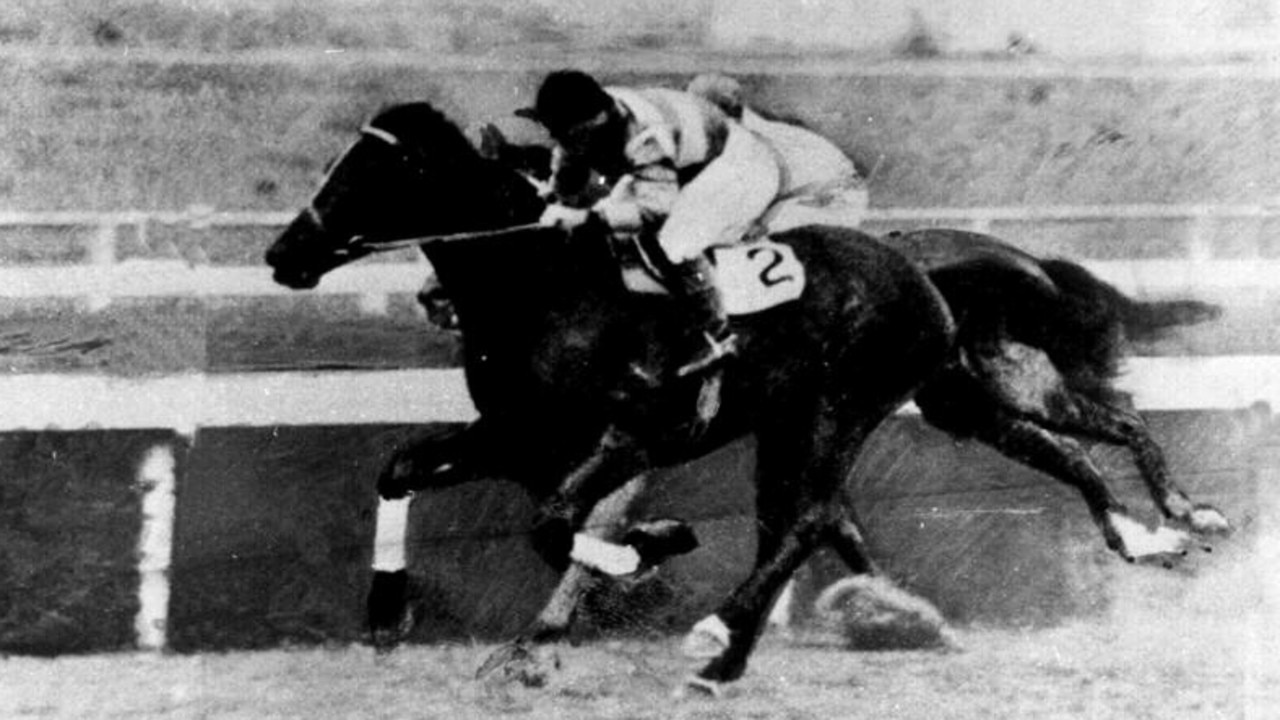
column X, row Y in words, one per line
column 620, row 210
column 563, row 217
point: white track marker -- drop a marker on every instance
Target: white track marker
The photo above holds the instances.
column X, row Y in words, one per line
column 391, row 535
column 155, row 546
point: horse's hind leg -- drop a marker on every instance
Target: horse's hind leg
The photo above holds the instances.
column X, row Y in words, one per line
column 1084, row 416
column 1067, row 460
column 845, row 536
column 1011, row 396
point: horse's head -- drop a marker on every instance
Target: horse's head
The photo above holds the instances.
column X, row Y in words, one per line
column 411, row 173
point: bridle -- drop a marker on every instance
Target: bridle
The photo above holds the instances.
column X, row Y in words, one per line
column 358, row 245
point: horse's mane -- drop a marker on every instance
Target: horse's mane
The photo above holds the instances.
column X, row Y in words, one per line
column 419, row 121
column 507, row 197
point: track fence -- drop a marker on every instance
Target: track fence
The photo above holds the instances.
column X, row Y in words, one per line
column 104, row 276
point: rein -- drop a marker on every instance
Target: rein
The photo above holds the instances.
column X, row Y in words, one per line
column 376, row 246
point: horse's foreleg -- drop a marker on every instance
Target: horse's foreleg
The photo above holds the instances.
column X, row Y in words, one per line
column 614, row 460
column 1090, row 418
column 606, row 522
column 727, row 638
column 522, row 659
column 799, row 478
column 437, row 458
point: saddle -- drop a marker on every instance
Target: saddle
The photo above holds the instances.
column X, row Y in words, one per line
column 752, row 276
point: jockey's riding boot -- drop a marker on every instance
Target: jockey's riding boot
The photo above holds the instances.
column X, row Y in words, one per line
column 702, row 300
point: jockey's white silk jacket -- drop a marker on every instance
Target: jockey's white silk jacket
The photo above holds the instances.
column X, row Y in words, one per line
column 808, row 159
column 711, row 178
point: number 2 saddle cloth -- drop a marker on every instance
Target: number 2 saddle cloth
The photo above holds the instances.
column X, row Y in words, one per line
column 752, row 276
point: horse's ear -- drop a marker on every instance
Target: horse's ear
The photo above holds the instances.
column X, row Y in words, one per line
column 492, row 141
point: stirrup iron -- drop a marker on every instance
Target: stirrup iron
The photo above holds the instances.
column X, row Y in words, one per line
column 716, row 350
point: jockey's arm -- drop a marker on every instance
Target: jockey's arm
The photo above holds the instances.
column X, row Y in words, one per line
column 642, row 197
column 721, row 204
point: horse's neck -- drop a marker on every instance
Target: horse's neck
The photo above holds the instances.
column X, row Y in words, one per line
column 503, row 281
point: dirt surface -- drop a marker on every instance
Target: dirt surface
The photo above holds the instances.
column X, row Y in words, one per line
column 1156, row 669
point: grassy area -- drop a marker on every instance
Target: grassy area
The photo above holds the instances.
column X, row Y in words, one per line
column 423, row 25
column 113, row 134
column 208, row 123
column 88, row 125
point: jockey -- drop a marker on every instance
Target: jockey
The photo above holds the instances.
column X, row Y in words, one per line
column 820, row 184
column 675, row 162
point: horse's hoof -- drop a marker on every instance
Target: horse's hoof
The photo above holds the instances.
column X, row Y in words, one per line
column 1208, row 520
column 1139, row 543
column 658, row 540
column 515, row 662
column 393, row 607
column 708, row 639
column 695, row 686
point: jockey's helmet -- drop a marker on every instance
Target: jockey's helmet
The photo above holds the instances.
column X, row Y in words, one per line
column 582, row 117
column 566, row 99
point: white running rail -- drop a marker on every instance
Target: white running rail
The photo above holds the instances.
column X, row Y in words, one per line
column 105, row 277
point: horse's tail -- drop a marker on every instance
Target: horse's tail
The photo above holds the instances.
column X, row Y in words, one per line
column 1153, row 320
column 1141, row 320
column 1057, row 307
column 1086, row 333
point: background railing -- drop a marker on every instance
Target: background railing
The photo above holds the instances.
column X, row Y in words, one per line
column 104, row 276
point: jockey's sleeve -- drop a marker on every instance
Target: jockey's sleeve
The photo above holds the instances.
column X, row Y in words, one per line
column 724, row 200
column 653, row 145
column 655, row 190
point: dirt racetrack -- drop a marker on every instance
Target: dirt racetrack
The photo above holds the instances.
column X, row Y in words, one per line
column 1095, row 672
column 1177, row 649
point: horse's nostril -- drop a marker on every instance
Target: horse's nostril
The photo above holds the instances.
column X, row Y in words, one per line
column 295, row 279
column 274, row 256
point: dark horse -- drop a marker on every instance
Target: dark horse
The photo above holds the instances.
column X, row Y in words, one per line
column 571, row 376
column 1039, row 345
